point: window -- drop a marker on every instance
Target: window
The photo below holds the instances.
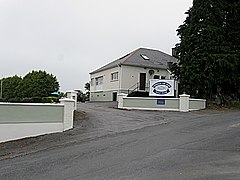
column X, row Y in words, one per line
column 114, row 76
column 156, row 77
column 163, row 77
column 145, row 57
column 92, row 82
column 99, row 80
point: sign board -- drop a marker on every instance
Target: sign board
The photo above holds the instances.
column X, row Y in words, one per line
column 160, row 101
column 160, row 87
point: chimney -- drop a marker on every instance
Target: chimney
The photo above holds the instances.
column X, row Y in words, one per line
column 174, row 52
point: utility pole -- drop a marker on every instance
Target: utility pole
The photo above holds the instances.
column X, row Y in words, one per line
column 1, row 87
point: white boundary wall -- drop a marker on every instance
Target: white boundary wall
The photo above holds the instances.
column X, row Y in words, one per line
column 10, row 132
column 21, row 120
column 182, row 104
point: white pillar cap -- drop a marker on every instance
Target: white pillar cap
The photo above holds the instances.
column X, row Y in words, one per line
column 66, row 100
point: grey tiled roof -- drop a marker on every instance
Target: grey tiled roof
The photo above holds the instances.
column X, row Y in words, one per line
column 157, row 59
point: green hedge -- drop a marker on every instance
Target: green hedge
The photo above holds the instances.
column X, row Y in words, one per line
column 32, row 100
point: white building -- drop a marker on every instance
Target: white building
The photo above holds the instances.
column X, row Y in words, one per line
column 130, row 73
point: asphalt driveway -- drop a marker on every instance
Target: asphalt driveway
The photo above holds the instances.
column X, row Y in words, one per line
column 108, row 143
column 92, row 120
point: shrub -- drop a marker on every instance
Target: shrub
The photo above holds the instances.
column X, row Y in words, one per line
column 14, row 100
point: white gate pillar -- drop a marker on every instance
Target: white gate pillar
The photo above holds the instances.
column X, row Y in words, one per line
column 184, row 103
column 120, row 99
column 68, row 113
column 72, row 95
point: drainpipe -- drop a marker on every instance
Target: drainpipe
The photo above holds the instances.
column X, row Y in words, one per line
column 119, row 78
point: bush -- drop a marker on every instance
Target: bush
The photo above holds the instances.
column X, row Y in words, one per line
column 50, row 100
column 27, row 100
column 14, row 100
column 2, row 100
column 31, row 100
column 37, row 99
column 47, row 100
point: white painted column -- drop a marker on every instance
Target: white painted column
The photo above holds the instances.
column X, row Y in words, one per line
column 184, row 103
column 72, row 95
column 120, row 99
column 68, row 113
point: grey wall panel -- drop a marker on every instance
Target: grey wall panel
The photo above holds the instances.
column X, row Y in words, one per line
column 16, row 113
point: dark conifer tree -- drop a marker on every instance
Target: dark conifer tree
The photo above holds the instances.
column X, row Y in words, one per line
column 208, row 51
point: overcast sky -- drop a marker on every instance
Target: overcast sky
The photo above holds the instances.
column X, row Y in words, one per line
column 70, row 38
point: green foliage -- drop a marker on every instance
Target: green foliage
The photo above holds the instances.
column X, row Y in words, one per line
column 80, row 95
column 209, row 49
column 87, row 88
column 3, row 100
column 10, row 85
column 31, row 88
column 38, row 84
column 14, row 100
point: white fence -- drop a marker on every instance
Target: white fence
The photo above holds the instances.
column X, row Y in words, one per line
column 182, row 104
column 21, row 120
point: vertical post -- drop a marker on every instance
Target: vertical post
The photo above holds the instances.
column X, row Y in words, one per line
column 176, row 87
column 68, row 113
column 73, row 95
column 184, row 103
column 1, row 87
column 120, row 99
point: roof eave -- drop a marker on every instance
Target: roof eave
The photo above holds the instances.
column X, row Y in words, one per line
column 154, row 67
column 100, row 70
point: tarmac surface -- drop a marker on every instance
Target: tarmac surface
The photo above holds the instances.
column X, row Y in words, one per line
column 108, row 143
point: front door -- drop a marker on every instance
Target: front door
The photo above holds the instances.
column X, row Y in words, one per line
column 142, row 81
column 115, row 96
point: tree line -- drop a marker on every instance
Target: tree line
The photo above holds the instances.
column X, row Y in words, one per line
column 33, row 87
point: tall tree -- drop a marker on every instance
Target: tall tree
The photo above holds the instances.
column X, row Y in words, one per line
column 87, row 88
column 209, row 51
column 38, row 84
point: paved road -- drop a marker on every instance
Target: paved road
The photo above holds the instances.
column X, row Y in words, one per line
column 118, row 144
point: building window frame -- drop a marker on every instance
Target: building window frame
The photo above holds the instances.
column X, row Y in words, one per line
column 114, row 76
column 99, row 80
